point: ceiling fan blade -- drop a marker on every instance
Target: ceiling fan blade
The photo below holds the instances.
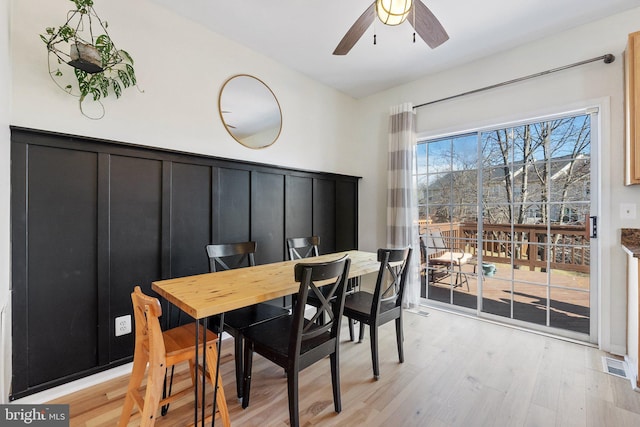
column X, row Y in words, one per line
column 356, row 31
column 427, row 25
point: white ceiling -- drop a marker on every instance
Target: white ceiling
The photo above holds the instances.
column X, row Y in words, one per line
column 302, row 34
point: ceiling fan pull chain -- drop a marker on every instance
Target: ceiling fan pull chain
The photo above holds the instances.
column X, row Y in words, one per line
column 374, row 32
column 413, row 10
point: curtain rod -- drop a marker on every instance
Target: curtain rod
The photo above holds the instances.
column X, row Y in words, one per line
column 608, row 59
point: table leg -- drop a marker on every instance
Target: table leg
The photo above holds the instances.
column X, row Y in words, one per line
column 215, row 388
column 195, row 401
column 204, row 372
column 204, row 369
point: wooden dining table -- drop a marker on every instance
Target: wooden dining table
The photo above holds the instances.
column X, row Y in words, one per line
column 204, row 295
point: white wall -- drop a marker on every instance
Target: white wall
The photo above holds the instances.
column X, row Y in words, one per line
column 5, row 266
column 181, row 67
column 596, row 83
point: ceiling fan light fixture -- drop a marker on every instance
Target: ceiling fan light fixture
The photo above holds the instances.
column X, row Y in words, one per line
column 393, row 12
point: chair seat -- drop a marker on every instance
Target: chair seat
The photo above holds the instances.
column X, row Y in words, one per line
column 451, row 258
column 358, row 305
column 277, row 333
column 178, row 342
column 244, row 317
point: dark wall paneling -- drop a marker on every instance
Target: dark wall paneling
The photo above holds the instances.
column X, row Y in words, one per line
column 190, row 219
column 324, row 214
column 298, row 206
column 346, row 215
column 103, row 279
column 90, row 219
column 19, row 266
column 135, row 224
column 232, row 206
column 62, row 312
column 267, row 216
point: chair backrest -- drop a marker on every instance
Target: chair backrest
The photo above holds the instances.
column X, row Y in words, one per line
column 437, row 241
column 303, row 247
column 147, row 312
column 332, row 276
column 392, row 277
column 228, row 256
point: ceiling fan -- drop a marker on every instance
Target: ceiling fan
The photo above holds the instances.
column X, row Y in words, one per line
column 395, row 12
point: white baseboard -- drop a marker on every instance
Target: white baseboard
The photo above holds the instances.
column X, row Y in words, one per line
column 73, row 386
column 81, row 384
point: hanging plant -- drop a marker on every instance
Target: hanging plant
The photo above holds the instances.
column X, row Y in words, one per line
column 84, row 44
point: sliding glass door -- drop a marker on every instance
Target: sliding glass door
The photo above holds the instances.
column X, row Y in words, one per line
column 505, row 223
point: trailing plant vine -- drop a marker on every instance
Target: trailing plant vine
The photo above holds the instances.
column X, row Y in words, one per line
column 99, row 67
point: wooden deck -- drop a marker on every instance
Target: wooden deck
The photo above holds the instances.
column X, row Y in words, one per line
column 568, row 296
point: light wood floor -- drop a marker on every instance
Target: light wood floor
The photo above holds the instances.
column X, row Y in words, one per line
column 457, row 372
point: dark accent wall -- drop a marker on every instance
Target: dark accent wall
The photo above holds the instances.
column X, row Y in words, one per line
column 93, row 218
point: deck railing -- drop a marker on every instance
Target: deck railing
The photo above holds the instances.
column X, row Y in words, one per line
column 561, row 247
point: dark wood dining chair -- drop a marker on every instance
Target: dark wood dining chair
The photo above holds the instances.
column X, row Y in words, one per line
column 303, row 247
column 385, row 304
column 161, row 350
column 238, row 255
column 294, row 342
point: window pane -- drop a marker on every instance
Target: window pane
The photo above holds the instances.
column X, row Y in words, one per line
column 465, row 153
column 497, row 147
column 439, row 155
column 571, row 180
column 439, row 189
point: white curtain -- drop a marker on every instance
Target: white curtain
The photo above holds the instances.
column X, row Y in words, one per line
column 402, row 209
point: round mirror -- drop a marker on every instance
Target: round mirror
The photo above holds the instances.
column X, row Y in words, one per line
column 250, row 111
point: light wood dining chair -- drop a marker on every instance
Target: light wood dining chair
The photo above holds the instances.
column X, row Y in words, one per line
column 161, row 350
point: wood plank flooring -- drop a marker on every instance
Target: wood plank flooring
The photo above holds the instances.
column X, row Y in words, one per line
column 457, row 372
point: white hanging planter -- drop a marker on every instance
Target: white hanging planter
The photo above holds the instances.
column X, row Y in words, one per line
column 85, row 57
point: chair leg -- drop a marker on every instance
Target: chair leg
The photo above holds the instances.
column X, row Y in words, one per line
column 195, row 377
column 238, row 340
column 292, row 388
column 361, row 336
column 153, row 394
column 335, row 380
column 221, row 401
column 246, row 383
column 137, row 374
column 351, row 336
column 373, row 333
column 400, row 338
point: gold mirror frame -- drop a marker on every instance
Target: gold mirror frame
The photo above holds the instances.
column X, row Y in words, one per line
column 250, row 111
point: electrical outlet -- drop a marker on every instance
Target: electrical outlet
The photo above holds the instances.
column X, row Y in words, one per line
column 627, row 210
column 123, row 325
